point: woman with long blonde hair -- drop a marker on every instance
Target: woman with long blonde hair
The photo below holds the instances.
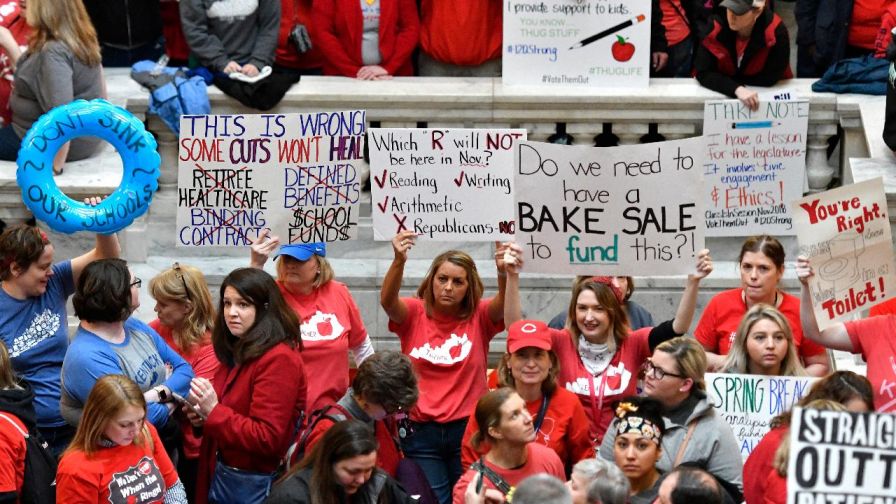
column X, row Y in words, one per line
column 764, row 345
column 61, row 64
column 186, row 316
column 116, row 453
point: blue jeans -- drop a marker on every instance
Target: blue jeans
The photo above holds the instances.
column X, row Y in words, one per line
column 436, row 448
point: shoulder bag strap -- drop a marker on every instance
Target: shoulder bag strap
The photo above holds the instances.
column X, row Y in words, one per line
column 500, row 483
column 684, row 444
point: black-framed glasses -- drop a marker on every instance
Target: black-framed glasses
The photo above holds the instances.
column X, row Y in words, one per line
column 658, row 373
column 180, row 274
column 136, row 282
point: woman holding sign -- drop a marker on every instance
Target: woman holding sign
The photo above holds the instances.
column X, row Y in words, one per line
column 445, row 330
column 600, row 355
column 872, row 338
column 763, row 345
column 331, row 322
column 761, row 264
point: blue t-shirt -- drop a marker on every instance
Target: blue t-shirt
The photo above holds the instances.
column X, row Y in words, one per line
column 36, row 334
column 142, row 356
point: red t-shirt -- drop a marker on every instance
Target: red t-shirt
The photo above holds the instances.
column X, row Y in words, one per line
column 450, row 358
column 674, row 21
column 119, row 475
column 758, row 469
column 540, row 459
column 617, row 381
column 875, row 339
column 12, row 454
column 11, row 17
column 461, row 32
column 331, row 325
column 564, row 429
column 204, row 363
column 387, row 455
column 885, row 308
column 865, row 22
column 718, row 324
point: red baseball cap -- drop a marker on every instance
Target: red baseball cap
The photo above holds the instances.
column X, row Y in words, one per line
column 528, row 333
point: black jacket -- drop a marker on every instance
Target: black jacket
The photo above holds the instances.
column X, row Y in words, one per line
column 379, row 489
column 766, row 59
column 822, row 31
column 125, row 24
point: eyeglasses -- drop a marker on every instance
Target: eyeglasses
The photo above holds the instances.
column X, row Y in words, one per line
column 136, row 282
column 658, row 373
column 180, row 274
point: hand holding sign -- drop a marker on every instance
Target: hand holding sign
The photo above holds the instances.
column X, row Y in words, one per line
column 513, row 258
column 402, row 243
column 703, row 267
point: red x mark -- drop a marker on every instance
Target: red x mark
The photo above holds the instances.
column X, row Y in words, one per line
column 401, row 222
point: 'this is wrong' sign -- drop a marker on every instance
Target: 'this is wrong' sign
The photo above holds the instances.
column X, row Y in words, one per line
column 295, row 174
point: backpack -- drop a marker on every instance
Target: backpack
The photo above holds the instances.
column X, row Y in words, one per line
column 296, row 451
column 39, row 485
column 173, row 92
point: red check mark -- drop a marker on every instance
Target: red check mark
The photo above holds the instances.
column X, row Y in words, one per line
column 383, row 205
column 381, row 181
column 460, row 179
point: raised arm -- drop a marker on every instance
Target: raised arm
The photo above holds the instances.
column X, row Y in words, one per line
column 496, row 306
column 261, row 248
column 513, row 263
column 106, row 247
column 395, row 308
column 834, row 336
column 688, row 303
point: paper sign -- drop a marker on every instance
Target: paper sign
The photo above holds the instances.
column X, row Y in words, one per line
column 843, row 457
column 754, row 166
column 845, row 233
column 634, row 209
column 295, row 174
column 596, row 43
column 443, row 184
column 749, row 402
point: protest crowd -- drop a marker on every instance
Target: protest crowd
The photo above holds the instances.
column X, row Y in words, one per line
column 249, row 394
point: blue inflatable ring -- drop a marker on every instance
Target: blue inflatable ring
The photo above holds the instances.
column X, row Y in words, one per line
column 99, row 118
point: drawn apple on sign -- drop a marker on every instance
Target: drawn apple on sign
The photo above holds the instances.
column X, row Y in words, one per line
column 622, row 50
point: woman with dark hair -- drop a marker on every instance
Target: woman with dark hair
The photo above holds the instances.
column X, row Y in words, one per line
column 248, row 412
column 693, row 432
column 761, row 264
column 445, row 331
column 506, row 425
column 33, row 317
column 531, row 367
column 341, row 469
column 117, row 456
column 384, row 385
column 638, row 445
column 185, row 319
column 601, row 356
column 765, row 471
column 332, row 327
column 110, row 341
column 763, row 345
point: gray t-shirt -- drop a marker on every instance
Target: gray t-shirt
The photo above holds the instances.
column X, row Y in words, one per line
column 370, row 38
column 47, row 79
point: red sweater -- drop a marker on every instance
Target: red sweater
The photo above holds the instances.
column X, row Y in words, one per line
column 337, row 27
column 293, row 12
column 253, row 424
column 762, row 483
column 461, row 32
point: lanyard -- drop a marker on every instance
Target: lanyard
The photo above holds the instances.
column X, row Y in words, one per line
column 541, row 412
column 597, row 406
